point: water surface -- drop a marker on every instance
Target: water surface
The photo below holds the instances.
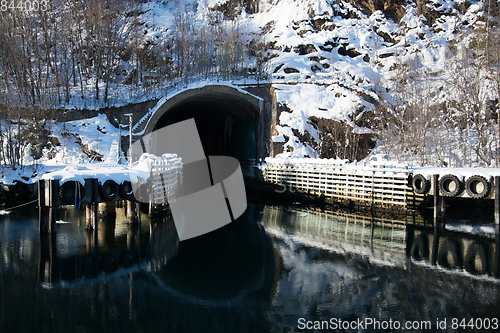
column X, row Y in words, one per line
column 270, row 271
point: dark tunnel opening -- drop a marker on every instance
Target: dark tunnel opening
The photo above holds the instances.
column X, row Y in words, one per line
column 227, row 125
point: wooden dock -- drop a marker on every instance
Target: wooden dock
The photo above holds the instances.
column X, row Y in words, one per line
column 100, row 189
column 381, row 184
column 377, row 182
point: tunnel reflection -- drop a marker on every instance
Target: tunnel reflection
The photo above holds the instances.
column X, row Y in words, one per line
column 237, row 259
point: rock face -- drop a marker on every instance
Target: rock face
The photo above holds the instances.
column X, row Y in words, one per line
column 13, row 195
column 337, row 139
column 393, row 9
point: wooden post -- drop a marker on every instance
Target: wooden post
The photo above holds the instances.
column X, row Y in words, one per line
column 88, row 216
column 53, row 203
column 439, row 205
column 95, row 210
column 42, row 209
column 496, row 264
column 437, row 219
column 131, row 210
column 107, row 210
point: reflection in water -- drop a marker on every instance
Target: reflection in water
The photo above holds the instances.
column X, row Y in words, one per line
column 259, row 274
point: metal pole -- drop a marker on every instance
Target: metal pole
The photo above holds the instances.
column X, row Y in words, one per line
column 119, row 141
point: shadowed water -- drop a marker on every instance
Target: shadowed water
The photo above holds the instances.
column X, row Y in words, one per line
column 262, row 273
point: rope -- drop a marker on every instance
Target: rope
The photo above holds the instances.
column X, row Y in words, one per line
column 25, row 204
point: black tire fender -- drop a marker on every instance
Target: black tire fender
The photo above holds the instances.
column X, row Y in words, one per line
column 450, row 186
column 477, row 187
column 67, row 192
column 421, row 185
column 126, row 191
column 477, row 250
column 452, row 248
column 108, row 190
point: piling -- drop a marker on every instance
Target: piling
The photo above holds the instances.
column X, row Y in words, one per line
column 95, row 209
column 52, row 194
column 107, row 210
column 438, row 218
column 131, row 211
column 88, row 216
column 42, row 209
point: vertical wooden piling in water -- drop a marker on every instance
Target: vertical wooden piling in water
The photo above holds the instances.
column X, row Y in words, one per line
column 437, row 218
column 496, row 264
column 42, row 209
column 88, row 216
column 53, row 203
column 95, row 210
column 107, row 210
column 131, row 211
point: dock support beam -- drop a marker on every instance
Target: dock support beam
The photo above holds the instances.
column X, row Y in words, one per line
column 42, row 209
column 95, row 210
column 47, row 193
column 88, row 216
column 132, row 211
column 439, row 210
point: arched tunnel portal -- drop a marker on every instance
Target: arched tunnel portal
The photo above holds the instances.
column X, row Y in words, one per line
column 227, row 118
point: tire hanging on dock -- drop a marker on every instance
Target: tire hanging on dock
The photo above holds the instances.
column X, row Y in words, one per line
column 108, row 190
column 71, row 190
column 126, row 191
column 450, row 186
column 477, row 187
column 421, row 185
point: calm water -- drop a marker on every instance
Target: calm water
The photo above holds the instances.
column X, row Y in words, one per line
column 273, row 270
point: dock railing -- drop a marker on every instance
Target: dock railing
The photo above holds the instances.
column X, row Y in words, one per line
column 166, row 175
column 376, row 182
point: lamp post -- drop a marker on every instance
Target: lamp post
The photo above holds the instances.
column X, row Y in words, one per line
column 119, row 141
column 129, row 115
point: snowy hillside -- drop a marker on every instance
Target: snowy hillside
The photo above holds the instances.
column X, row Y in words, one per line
column 417, row 80
column 403, row 73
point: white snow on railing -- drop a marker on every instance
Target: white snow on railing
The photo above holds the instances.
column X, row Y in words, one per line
column 166, row 175
column 376, row 181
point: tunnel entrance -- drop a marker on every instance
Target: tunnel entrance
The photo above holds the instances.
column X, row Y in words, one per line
column 228, row 124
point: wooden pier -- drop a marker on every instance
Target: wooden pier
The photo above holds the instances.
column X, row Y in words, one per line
column 99, row 191
column 377, row 184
